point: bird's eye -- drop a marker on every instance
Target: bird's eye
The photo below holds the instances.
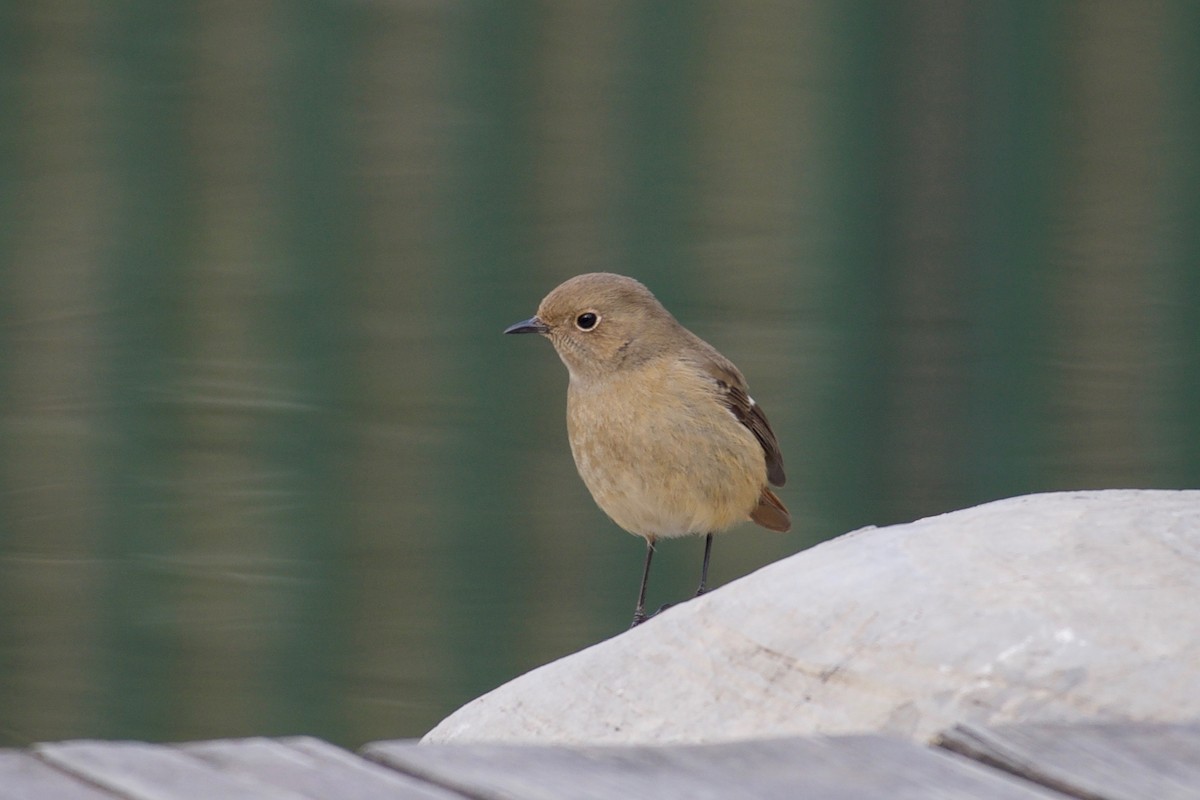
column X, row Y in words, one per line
column 587, row 320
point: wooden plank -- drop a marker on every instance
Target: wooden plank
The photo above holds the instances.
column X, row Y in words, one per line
column 858, row 767
column 23, row 775
column 140, row 771
column 1096, row 762
column 314, row 768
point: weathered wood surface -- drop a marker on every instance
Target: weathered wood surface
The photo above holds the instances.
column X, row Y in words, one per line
column 847, row 768
column 1112, row 762
column 1066, row 607
column 153, row 772
column 248, row 769
column 315, row 769
column 1109, row 762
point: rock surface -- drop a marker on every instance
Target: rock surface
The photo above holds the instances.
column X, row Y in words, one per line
column 1044, row 608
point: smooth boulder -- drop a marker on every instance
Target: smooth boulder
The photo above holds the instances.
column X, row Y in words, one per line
column 1043, row 608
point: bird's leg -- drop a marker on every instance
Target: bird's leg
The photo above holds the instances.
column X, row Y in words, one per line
column 703, row 575
column 704, row 567
column 639, row 614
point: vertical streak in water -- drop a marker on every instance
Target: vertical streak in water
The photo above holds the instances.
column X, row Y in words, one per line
column 659, row 79
column 1183, row 426
column 12, row 55
column 926, row 294
column 147, row 48
column 855, row 221
column 309, row 329
column 1014, row 181
column 492, row 52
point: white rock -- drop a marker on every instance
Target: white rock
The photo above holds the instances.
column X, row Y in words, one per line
column 1053, row 607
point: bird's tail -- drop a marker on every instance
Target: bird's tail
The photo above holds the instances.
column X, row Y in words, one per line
column 771, row 513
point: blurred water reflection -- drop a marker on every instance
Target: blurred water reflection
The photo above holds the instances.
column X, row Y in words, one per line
column 269, row 467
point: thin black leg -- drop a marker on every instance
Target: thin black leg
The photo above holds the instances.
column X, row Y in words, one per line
column 704, row 568
column 639, row 614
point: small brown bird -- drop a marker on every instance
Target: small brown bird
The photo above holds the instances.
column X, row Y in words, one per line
column 663, row 431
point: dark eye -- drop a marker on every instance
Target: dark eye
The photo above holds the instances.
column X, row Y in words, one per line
column 587, row 320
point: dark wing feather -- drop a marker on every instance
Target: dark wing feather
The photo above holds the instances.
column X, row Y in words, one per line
column 749, row 414
column 732, row 388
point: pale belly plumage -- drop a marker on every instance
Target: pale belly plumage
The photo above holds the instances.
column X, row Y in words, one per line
column 659, row 474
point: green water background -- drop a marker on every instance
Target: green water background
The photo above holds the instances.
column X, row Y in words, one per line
column 267, row 465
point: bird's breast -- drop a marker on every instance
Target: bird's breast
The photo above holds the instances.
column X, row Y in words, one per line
column 660, row 454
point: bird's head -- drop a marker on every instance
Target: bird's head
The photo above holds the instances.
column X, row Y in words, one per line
column 601, row 323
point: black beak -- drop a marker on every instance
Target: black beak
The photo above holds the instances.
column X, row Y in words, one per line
column 531, row 325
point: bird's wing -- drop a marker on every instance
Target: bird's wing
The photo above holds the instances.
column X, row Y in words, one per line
column 732, row 388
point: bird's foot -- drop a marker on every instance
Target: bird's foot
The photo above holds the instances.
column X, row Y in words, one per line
column 641, row 616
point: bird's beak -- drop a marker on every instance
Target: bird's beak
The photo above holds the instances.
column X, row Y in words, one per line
column 531, row 325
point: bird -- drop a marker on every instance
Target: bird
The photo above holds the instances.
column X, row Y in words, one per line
column 662, row 427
